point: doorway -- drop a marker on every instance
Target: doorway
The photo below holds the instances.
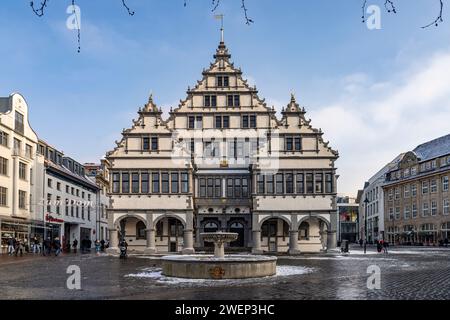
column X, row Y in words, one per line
column 238, row 227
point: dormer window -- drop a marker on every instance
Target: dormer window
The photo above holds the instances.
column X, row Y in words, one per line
column 293, row 143
column 210, row 101
column 223, row 81
column 249, row 121
column 195, row 122
column 146, row 143
column 233, row 100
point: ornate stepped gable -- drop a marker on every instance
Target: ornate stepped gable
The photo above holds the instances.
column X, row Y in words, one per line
column 293, row 119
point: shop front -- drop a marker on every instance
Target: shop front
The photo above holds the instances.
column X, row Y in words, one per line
column 17, row 228
column 53, row 227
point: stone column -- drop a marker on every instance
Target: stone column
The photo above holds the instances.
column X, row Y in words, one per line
column 197, row 234
column 151, row 245
column 188, row 242
column 257, row 242
column 293, row 242
column 113, row 241
column 331, row 240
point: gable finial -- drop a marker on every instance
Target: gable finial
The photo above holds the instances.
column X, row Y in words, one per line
column 220, row 17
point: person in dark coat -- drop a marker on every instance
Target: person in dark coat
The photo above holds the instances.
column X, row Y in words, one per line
column 385, row 247
column 102, row 245
column 75, row 245
column 57, row 246
column 19, row 247
column 11, row 245
column 47, row 247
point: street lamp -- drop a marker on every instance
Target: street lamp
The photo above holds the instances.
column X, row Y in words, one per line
column 366, row 201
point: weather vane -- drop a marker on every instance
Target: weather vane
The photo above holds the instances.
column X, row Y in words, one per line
column 220, row 17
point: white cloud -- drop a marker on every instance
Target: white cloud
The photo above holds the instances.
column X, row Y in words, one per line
column 373, row 122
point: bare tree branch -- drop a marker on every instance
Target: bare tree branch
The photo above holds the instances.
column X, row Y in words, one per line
column 78, row 27
column 131, row 13
column 247, row 19
column 364, row 11
column 40, row 11
column 438, row 19
column 215, row 4
column 389, row 6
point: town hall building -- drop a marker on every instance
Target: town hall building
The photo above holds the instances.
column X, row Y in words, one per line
column 223, row 161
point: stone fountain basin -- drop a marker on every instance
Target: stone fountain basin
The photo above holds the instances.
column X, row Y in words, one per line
column 210, row 267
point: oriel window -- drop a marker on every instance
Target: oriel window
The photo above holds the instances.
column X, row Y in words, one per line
column 116, row 183
column 175, row 178
column 289, row 183
column 184, row 182
column 309, row 183
column 202, row 188
column 135, row 182
column 279, row 181
column 125, row 182
column 165, row 182
column 155, row 182
column 319, row 183
column 145, row 182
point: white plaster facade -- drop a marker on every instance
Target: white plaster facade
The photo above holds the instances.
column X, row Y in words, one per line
column 20, row 171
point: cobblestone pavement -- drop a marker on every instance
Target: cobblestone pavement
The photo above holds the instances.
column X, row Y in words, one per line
column 406, row 273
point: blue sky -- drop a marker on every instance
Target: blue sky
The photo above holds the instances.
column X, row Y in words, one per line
column 375, row 93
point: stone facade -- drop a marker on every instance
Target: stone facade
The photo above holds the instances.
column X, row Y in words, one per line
column 223, row 161
column 416, row 195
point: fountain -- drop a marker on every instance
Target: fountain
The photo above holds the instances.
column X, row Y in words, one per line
column 219, row 265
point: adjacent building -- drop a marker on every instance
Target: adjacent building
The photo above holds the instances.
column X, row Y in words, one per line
column 222, row 160
column 19, row 166
column 70, row 197
column 373, row 192
column 417, row 196
column 348, row 222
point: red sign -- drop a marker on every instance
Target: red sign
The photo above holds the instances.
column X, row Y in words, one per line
column 49, row 218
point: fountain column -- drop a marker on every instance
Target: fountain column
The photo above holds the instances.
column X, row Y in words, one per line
column 188, row 242
column 113, row 241
column 257, row 242
column 293, row 242
column 151, row 245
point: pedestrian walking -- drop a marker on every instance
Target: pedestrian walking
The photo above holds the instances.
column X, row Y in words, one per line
column 57, row 246
column 75, row 245
column 11, row 246
column 97, row 246
column 361, row 242
column 36, row 248
column 385, row 247
column 47, row 247
column 19, row 247
column 102, row 245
